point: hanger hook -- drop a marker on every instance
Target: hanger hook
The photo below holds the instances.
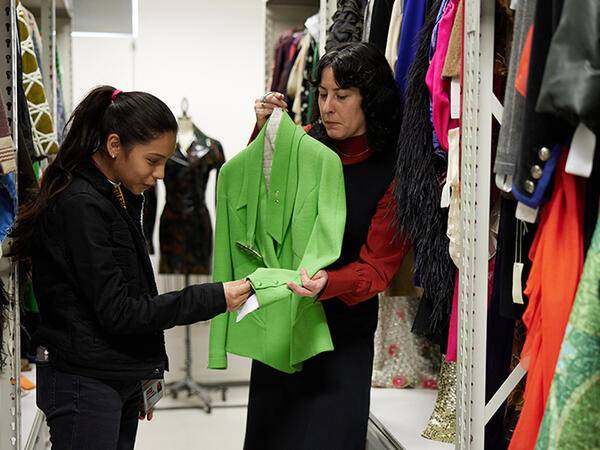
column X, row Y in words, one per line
column 184, row 106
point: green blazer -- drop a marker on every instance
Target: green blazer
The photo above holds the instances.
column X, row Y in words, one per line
column 268, row 237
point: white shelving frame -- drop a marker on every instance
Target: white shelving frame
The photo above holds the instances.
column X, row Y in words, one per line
column 11, row 434
column 10, row 414
column 479, row 105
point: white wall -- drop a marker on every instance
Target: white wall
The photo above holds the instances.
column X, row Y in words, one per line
column 210, row 52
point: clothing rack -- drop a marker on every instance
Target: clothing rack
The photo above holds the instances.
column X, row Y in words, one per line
column 16, row 431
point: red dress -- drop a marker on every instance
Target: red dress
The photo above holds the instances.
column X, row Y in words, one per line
column 557, row 255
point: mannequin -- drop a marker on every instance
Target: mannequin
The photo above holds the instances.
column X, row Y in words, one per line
column 185, row 224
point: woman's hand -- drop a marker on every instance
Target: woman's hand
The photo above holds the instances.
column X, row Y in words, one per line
column 236, row 293
column 147, row 415
column 311, row 287
column 263, row 107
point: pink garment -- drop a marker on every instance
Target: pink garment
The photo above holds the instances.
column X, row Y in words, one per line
column 557, row 256
column 453, row 333
column 438, row 87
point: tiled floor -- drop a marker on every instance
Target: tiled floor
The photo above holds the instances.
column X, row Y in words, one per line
column 403, row 412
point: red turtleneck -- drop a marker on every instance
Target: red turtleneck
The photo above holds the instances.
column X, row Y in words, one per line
column 381, row 256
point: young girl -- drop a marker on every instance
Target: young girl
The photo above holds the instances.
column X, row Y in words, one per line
column 102, row 318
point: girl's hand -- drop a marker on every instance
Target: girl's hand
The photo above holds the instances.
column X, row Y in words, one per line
column 146, row 415
column 311, row 287
column 263, row 107
column 236, row 293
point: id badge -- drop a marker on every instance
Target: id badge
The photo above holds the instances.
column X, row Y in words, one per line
column 152, row 391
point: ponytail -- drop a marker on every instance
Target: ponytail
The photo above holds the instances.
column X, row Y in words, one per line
column 136, row 117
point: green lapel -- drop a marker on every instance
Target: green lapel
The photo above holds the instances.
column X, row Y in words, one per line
column 280, row 200
column 253, row 175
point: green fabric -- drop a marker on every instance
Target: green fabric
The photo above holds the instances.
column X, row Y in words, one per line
column 572, row 416
column 298, row 224
column 30, row 303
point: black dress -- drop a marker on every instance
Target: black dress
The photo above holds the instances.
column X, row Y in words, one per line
column 185, row 225
column 326, row 405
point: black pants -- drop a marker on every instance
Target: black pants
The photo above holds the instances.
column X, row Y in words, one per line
column 86, row 413
column 325, row 406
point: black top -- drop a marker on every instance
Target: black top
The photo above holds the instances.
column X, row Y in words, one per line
column 366, row 183
column 93, row 280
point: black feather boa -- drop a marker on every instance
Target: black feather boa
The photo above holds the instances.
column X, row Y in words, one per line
column 419, row 175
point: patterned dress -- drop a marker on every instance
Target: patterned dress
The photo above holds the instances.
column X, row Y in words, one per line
column 185, row 224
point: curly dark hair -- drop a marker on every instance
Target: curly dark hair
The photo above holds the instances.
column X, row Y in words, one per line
column 363, row 66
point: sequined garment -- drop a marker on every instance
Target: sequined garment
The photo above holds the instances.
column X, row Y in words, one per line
column 185, row 225
column 402, row 359
column 572, row 416
column 442, row 423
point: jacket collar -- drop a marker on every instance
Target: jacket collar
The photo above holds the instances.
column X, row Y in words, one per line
column 279, row 206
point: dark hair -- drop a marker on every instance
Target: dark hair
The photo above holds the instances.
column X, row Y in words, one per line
column 136, row 117
column 363, row 66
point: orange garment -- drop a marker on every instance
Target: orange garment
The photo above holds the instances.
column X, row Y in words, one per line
column 557, row 255
column 523, row 72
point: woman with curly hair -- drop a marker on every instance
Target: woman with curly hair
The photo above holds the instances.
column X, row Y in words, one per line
column 326, row 405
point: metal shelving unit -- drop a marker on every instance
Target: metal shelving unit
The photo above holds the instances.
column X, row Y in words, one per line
column 12, row 436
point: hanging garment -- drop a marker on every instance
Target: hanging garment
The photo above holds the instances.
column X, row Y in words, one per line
column 571, row 84
column 347, row 23
column 268, row 237
column 509, row 138
column 367, row 19
column 393, row 37
column 8, row 203
column 573, row 409
column 380, row 23
column 402, row 359
column 185, row 224
column 307, row 90
column 442, row 422
column 439, row 87
column 557, row 255
column 280, row 58
column 419, row 175
column 44, row 133
column 452, row 63
column 541, row 131
column 296, row 78
column 7, row 146
column 413, row 16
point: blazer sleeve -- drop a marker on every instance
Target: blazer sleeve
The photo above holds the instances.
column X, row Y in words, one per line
column 325, row 240
column 222, row 271
column 91, row 254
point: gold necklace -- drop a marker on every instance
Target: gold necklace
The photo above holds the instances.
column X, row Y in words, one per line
column 353, row 156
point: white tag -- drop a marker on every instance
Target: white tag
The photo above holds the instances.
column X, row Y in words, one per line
column 250, row 305
column 445, row 200
column 581, row 153
column 517, row 286
column 514, row 4
column 504, row 182
column 455, row 98
column 525, row 213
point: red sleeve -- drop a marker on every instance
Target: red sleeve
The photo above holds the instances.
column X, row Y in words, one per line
column 254, row 134
column 379, row 260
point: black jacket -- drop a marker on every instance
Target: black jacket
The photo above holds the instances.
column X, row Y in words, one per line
column 93, row 280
